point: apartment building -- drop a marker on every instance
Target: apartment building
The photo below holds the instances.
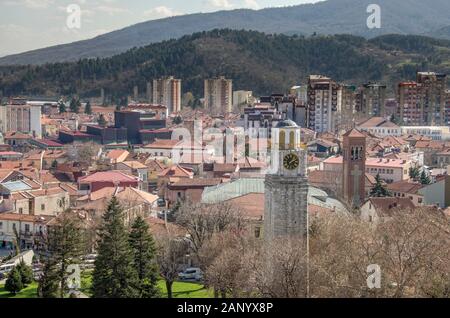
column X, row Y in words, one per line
column 324, row 104
column 423, row 102
column 372, row 97
column 20, row 116
column 167, row 92
column 347, row 116
column 218, row 95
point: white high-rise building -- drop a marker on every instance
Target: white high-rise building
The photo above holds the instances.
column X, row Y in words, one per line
column 324, row 104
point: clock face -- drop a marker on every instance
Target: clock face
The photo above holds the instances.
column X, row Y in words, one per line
column 291, row 161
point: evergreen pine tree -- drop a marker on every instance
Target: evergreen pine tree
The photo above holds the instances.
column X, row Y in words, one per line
column 88, row 108
column 62, row 107
column 26, row 273
column 114, row 275
column 144, row 250
column 379, row 190
column 414, row 173
column 65, row 244
column 75, row 105
column 14, row 282
column 48, row 286
column 424, row 178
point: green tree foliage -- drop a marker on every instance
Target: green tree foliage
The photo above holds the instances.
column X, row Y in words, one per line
column 48, row 286
column 88, row 108
column 26, row 273
column 264, row 63
column 414, row 173
column 65, row 245
column 14, row 282
column 177, row 120
column 144, row 251
column 379, row 189
column 62, row 107
column 424, row 178
column 114, row 274
column 75, row 105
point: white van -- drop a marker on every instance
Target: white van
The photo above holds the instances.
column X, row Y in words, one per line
column 5, row 269
column 192, row 273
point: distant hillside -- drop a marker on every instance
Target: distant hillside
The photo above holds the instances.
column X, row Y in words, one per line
column 443, row 33
column 328, row 17
column 255, row 61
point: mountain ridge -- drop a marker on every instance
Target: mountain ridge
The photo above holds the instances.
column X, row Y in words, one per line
column 326, row 17
column 255, row 61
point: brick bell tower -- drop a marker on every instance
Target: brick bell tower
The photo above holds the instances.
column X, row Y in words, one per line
column 354, row 169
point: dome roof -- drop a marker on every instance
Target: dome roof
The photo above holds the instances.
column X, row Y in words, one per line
column 286, row 123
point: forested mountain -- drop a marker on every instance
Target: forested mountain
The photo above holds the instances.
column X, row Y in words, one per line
column 428, row 17
column 255, row 61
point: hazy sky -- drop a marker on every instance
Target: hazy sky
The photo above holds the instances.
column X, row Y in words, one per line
column 32, row 24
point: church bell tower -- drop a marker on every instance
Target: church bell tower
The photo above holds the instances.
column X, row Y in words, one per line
column 354, row 167
column 286, row 185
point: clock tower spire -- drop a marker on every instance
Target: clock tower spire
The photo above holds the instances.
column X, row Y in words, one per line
column 286, row 185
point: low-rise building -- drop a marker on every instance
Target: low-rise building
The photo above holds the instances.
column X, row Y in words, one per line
column 390, row 170
column 375, row 210
column 137, row 169
column 30, row 229
column 380, row 126
column 99, row 180
column 407, row 189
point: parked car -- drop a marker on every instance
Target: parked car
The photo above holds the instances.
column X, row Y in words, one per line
column 192, row 273
column 161, row 203
column 5, row 269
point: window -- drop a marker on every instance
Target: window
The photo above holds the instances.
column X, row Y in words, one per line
column 257, row 232
column 42, row 207
column 1, row 225
column 20, row 210
column 27, row 228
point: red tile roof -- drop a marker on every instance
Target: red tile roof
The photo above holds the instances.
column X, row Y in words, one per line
column 108, row 176
column 387, row 206
column 354, row 133
column 176, row 171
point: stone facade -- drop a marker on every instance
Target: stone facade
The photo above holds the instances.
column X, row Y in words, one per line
column 286, row 188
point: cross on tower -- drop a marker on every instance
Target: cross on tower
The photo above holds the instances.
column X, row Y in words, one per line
column 356, row 173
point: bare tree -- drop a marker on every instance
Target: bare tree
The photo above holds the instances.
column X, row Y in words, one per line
column 278, row 269
column 414, row 250
column 203, row 221
column 224, row 256
column 170, row 256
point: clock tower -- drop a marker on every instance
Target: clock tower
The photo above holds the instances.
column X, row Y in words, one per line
column 286, row 185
